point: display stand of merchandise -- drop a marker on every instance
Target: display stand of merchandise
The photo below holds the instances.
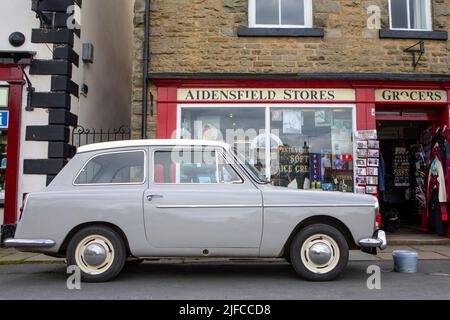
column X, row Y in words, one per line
column 401, row 166
column 367, row 162
column 420, row 174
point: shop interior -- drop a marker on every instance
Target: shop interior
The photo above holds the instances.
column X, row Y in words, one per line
column 405, row 148
column 413, row 178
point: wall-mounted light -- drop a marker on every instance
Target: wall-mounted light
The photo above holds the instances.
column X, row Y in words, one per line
column 84, row 89
column 88, row 53
column 17, row 39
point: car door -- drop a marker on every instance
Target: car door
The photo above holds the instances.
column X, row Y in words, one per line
column 198, row 200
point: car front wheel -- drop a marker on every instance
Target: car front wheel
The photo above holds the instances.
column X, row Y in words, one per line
column 319, row 253
column 99, row 252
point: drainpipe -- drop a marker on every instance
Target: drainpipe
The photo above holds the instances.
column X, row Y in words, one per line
column 146, row 71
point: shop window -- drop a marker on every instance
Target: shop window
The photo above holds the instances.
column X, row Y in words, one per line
column 114, row 168
column 280, row 13
column 4, row 121
column 4, row 93
column 314, row 149
column 307, row 148
column 244, row 127
column 410, row 15
column 185, row 166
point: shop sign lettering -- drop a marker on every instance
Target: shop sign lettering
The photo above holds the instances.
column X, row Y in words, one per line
column 411, row 95
column 266, row 94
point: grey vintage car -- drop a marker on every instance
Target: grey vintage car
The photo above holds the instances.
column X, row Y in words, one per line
column 123, row 202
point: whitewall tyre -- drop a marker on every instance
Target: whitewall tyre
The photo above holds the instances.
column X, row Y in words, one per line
column 99, row 252
column 319, row 253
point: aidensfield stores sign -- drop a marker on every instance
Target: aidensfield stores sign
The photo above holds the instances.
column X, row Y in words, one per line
column 244, row 94
column 391, row 95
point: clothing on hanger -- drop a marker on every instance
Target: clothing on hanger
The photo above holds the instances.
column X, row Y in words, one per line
column 381, row 174
column 436, row 169
column 435, row 224
column 439, row 139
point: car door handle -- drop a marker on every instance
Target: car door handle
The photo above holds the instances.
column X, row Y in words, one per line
column 150, row 197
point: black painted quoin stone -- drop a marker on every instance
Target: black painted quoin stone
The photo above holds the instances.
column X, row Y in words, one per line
column 53, row 15
column 65, row 84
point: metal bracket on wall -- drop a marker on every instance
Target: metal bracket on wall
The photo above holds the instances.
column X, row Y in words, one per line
column 152, row 105
column 39, row 14
column 30, row 91
column 416, row 49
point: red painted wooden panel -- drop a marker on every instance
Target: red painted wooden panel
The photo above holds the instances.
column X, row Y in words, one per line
column 171, row 130
column 365, row 108
column 13, row 75
column 161, row 113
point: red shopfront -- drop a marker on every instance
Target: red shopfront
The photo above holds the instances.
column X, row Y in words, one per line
column 11, row 80
column 367, row 105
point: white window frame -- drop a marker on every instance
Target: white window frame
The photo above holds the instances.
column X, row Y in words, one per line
column 252, row 17
column 427, row 12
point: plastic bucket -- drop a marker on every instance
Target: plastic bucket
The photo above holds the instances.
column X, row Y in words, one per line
column 405, row 261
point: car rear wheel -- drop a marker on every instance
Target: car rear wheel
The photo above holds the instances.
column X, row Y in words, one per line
column 319, row 253
column 99, row 252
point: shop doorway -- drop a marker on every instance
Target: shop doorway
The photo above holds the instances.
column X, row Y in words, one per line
column 405, row 146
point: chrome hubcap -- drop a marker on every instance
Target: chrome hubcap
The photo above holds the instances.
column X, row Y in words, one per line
column 320, row 253
column 94, row 254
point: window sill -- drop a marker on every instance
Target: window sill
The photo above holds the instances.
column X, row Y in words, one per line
column 420, row 35
column 280, row 32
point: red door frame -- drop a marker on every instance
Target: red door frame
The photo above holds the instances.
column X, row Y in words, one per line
column 14, row 76
column 446, row 120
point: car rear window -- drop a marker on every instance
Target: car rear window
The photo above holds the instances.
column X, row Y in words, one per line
column 114, row 168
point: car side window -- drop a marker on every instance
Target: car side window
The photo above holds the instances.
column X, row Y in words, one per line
column 114, row 168
column 187, row 166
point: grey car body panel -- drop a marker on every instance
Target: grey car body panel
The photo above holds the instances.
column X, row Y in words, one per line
column 247, row 219
column 285, row 208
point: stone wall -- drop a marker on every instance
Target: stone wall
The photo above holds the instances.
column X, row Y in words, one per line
column 201, row 36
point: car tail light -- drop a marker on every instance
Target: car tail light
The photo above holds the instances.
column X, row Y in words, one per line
column 378, row 221
column 24, row 203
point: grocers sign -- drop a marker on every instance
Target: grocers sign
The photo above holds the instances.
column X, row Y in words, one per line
column 278, row 94
column 391, row 95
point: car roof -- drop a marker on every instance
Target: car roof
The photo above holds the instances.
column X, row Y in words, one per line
column 145, row 143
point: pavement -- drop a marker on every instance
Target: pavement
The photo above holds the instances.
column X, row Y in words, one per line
column 227, row 281
column 429, row 247
column 415, row 237
column 426, row 252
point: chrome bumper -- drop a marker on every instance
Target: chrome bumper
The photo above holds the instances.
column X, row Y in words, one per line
column 28, row 243
column 378, row 240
